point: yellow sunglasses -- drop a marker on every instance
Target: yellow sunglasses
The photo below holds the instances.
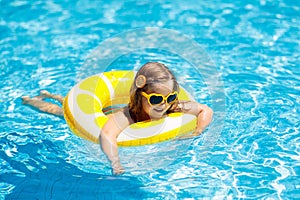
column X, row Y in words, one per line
column 155, row 99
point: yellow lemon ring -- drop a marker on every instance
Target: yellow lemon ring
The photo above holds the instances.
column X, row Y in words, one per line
column 84, row 104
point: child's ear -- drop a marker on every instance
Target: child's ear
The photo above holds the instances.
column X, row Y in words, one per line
column 140, row 81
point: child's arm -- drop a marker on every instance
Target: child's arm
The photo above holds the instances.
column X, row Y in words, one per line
column 204, row 117
column 108, row 139
column 204, row 114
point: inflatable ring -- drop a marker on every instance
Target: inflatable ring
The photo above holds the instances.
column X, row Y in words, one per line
column 85, row 104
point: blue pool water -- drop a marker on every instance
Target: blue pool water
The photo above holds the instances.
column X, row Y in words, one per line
column 247, row 70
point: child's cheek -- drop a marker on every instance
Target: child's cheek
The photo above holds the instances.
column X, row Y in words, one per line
column 146, row 107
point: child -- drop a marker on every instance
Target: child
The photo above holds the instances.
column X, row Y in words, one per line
column 153, row 94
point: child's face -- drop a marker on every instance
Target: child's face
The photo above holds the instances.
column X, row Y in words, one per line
column 157, row 111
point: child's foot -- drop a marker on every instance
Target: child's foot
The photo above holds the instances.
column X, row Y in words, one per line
column 45, row 94
column 25, row 99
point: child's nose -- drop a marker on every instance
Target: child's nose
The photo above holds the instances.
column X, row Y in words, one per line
column 163, row 104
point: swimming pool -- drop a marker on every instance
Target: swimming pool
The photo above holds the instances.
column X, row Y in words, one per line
column 251, row 68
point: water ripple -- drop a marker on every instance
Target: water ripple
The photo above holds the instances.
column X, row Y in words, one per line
column 255, row 45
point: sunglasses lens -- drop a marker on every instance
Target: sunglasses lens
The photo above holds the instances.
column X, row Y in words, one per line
column 155, row 99
column 172, row 98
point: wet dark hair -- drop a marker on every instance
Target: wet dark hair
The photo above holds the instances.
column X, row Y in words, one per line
column 155, row 73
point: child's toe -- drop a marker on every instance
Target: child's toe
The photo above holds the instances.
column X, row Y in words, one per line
column 44, row 92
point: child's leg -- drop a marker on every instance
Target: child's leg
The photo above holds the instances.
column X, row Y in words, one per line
column 37, row 102
column 46, row 94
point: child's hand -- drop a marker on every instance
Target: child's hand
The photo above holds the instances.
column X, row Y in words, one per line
column 118, row 171
column 117, row 168
column 190, row 135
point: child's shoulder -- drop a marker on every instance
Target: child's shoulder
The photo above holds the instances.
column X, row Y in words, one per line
column 122, row 116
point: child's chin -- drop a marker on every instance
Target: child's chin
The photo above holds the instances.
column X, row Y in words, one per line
column 157, row 116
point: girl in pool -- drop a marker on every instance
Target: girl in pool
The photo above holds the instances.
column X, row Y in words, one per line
column 153, row 94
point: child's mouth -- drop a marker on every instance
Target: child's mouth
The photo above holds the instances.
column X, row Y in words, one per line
column 158, row 110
